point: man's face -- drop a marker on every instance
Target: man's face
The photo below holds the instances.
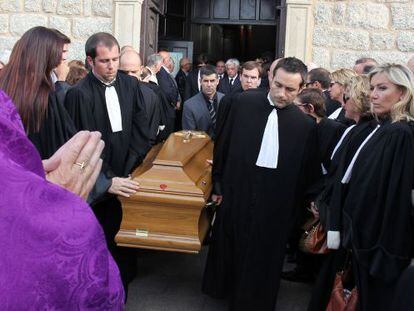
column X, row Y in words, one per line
column 250, row 79
column 285, row 87
column 106, row 63
column 131, row 65
column 220, row 68
column 186, row 65
column 209, row 84
column 231, row 70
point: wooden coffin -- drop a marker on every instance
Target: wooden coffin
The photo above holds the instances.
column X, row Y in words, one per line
column 168, row 212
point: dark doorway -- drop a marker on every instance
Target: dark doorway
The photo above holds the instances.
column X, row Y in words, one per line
column 225, row 28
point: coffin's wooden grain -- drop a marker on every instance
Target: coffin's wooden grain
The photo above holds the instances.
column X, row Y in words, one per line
column 168, row 212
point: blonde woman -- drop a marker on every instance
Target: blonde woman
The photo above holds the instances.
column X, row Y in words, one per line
column 339, row 79
column 357, row 108
column 376, row 202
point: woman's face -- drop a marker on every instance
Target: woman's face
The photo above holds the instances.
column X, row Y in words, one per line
column 336, row 90
column 384, row 94
column 351, row 111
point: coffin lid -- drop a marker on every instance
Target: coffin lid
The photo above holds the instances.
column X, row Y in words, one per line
column 179, row 167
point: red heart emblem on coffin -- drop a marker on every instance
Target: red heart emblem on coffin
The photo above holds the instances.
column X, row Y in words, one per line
column 163, row 186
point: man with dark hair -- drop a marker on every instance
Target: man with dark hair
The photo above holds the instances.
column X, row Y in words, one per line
column 200, row 111
column 192, row 83
column 221, row 69
column 319, row 78
column 364, row 64
column 270, row 162
column 107, row 101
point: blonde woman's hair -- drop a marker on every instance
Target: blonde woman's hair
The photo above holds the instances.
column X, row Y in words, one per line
column 359, row 91
column 342, row 76
column 403, row 78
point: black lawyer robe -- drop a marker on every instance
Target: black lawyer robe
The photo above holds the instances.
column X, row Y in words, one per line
column 377, row 220
column 335, row 260
column 153, row 110
column 329, row 133
column 259, row 204
column 377, row 213
column 56, row 129
column 164, row 107
column 123, row 150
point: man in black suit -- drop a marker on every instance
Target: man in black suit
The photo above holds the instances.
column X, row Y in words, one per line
column 221, row 69
column 319, row 78
column 192, row 83
column 180, row 78
column 170, row 89
column 232, row 80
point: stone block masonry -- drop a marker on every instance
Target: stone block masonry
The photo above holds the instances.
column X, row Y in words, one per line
column 346, row 30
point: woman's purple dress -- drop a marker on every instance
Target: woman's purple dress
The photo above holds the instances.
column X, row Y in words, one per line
column 53, row 254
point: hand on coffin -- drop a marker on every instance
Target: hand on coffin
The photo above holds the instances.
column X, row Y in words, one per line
column 123, row 186
column 217, row 198
column 76, row 165
column 209, row 162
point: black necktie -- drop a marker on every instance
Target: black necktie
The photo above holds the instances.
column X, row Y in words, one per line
column 212, row 112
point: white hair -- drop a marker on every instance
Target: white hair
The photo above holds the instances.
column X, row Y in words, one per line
column 233, row 61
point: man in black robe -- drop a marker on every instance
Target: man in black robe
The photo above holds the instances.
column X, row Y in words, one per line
column 131, row 64
column 107, row 101
column 270, row 161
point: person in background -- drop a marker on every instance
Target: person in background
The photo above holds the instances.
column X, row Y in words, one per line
column 77, row 72
column 320, row 78
column 185, row 67
column 232, row 78
column 200, row 111
column 363, row 65
column 339, row 79
column 192, row 83
column 221, row 69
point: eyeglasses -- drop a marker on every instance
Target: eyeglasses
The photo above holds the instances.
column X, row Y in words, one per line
column 346, row 98
column 333, row 82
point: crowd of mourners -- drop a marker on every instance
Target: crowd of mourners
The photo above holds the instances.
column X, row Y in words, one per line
column 310, row 166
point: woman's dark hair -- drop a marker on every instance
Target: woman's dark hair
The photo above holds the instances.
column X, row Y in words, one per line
column 27, row 76
column 315, row 98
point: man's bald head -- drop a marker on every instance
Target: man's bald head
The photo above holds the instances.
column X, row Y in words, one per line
column 410, row 64
column 130, row 62
column 272, row 69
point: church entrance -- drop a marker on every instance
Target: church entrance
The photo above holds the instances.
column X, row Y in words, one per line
column 244, row 29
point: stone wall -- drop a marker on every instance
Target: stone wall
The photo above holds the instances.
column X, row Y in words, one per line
column 78, row 19
column 346, row 30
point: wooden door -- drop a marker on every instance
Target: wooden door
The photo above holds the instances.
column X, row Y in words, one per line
column 151, row 11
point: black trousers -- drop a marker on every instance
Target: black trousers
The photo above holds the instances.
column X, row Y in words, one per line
column 109, row 214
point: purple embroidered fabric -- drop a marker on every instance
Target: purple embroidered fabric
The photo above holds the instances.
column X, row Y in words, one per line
column 53, row 254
